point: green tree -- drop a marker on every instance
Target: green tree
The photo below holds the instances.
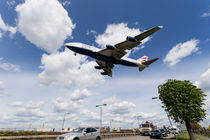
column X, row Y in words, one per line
column 183, row 101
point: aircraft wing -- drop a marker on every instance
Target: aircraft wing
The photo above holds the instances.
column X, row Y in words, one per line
column 107, row 67
column 120, row 49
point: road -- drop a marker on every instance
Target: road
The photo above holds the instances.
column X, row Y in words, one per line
column 132, row 138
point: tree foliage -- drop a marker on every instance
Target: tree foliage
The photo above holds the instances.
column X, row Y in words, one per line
column 182, row 100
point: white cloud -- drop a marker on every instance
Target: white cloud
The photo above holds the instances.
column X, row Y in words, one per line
column 6, row 28
column 67, row 70
column 207, row 14
column 204, row 81
column 2, row 86
column 66, row 3
column 117, row 107
column 16, row 104
column 144, row 115
column 68, row 105
column 9, row 66
column 116, row 33
column 79, row 94
column 32, row 110
column 44, row 23
column 11, row 3
column 180, row 51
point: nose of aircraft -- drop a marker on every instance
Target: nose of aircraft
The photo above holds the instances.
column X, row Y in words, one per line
column 74, row 44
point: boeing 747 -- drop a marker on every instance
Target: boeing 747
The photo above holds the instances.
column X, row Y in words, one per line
column 115, row 54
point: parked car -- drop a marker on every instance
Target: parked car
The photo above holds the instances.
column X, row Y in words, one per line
column 174, row 130
column 164, row 132
column 156, row 134
column 81, row 133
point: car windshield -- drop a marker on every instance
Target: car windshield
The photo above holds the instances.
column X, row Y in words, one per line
column 77, row 130
column 145, row 125
column 162, row 130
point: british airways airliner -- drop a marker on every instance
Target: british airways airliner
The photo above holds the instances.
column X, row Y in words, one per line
column 111, row 55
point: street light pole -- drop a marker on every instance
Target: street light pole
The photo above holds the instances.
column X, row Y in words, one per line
column 168, row 119
column 64, row 120
column 101, row 106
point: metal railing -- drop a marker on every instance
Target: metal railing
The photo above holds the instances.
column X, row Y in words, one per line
column 53, row 137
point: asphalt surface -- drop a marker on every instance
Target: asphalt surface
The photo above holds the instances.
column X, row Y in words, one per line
column 132, row 138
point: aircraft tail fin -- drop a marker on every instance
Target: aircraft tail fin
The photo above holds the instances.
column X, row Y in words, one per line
column 146, row 63
column 143, row 59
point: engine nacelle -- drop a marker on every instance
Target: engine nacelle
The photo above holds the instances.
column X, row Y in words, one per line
column 103, row 73
column 110, row 47
column 97, row 67
column 132, row 39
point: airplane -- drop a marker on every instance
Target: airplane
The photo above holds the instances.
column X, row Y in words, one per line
column 110, row 56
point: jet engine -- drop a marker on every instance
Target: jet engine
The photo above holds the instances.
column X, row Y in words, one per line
column 110, row 47
column 97, row 67
column 132, row 39
column 103, row 73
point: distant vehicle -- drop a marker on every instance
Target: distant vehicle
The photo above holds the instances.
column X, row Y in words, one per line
column 111, row 55
column 82, row 133
column 146, row 128
column 174, row 130
column 156, row 134
column 164, row 132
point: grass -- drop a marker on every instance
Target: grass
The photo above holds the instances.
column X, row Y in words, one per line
column 206, row 135
column 185, row 136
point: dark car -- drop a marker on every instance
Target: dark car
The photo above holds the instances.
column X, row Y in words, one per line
column 164, row 132
column 156, row 134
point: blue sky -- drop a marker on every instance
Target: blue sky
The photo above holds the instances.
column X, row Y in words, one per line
column 40, row 80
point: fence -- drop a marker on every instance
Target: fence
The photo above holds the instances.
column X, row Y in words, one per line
column 53, row 137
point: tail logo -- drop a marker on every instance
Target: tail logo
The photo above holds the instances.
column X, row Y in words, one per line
column 143, row 59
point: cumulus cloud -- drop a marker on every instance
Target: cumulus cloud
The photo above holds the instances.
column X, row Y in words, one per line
column 32, row 110
column 2, row 86
column 68, row 105
column 144, row 115
column 204, row 81
column 118, row 107
column 6, row 28
column 180, row 51
column 67, row 70
column 206, row 14
column 16, row 104
column 44, row 23
column 116, row 33
column 79, row 94
column 66, row 3
column 9, row 66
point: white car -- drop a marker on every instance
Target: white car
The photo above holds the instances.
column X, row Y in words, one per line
column 81, row 133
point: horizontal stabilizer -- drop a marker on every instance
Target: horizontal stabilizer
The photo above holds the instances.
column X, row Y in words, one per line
column 147, row 63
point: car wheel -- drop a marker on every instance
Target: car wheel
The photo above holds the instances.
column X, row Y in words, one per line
column 76, row 139
column 98, row 138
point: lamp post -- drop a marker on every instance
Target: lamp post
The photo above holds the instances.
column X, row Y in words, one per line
column 64, row 119
column 137, row 117
column 101, row 106
column 168, row 118
column 111, row 125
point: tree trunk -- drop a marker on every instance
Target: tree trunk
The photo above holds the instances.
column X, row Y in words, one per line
column 189, row 130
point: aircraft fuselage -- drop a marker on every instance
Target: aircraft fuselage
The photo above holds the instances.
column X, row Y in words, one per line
column 93, row 52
